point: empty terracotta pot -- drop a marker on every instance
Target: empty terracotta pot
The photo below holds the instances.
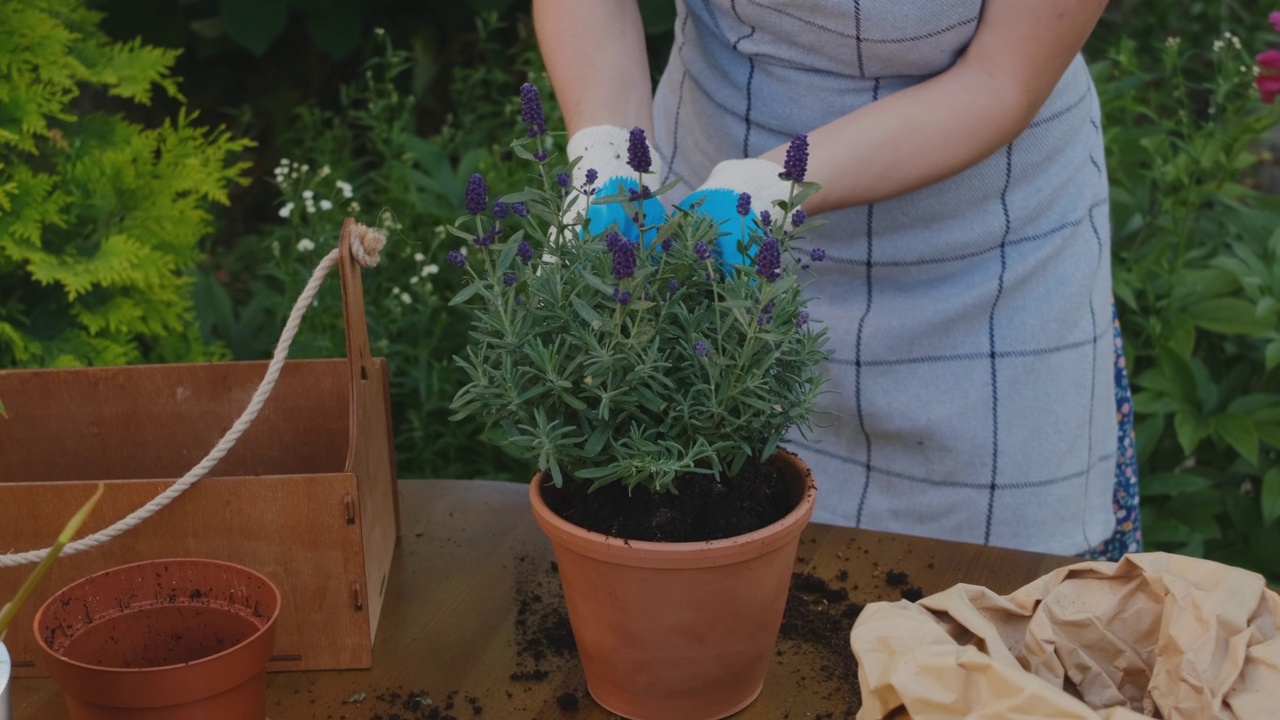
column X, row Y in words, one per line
column 181, row 639
column 677, row 630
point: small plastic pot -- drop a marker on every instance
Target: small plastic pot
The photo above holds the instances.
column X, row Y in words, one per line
column 180, row 639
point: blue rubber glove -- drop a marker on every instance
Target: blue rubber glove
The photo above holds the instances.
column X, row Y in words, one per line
column 735, row 194
column 604, row 171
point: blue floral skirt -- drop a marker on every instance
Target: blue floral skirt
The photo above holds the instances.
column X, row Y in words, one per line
column 1128, row 534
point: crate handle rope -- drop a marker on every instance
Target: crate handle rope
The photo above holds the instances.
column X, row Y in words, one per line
column 365, row 248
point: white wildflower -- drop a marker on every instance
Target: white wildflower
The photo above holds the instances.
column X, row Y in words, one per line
column 463, row 250
column 430, row 270
column 306, row 245
column 419, row 257
column 1173, row 41
column 326, row 205
column 379, row 31
column 323, row 171
column 305, row 167
column 353, row 207
column 275, row 248
column 1218, row 45
column 406, row 298
column 308, row 194
column 414, row 280
column 345, row 187
column 286, row 210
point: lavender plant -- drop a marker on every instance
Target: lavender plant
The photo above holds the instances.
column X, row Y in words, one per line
column 608, row 360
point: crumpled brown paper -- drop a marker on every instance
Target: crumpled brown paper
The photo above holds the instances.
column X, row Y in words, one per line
column 1152, row 635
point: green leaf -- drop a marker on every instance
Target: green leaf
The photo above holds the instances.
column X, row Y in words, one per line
column 1228, row 315
column 1271, row 496
column 254, row 24
column 1240, row 432
column 1189, row 429
column 465, row 293
column 1272, row 354
column 1162, row 484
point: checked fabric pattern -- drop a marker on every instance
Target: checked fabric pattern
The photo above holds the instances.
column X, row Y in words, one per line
column 973, row 395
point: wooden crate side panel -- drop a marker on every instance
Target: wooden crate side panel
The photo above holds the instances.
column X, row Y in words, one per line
column 373, row 462
column 157, row 421
column 293, row 529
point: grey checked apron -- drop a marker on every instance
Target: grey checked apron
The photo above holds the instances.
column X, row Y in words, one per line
column 973, row 394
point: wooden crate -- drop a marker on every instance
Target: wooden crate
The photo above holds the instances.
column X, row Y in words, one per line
column 307, row 496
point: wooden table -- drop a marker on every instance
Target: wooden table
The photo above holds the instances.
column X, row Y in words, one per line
column 471, row 553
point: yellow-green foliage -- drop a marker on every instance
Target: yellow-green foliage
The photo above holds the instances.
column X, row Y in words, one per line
column 99, row 217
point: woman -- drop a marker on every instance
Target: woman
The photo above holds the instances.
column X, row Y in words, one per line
column 966, row 289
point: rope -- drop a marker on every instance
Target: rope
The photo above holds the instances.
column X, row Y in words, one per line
column 365, row 248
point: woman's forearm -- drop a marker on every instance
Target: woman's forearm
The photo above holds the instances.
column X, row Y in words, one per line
column 942, row 126
column 596, row 58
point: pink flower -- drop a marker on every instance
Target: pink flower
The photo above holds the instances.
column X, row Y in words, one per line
column 1268, row 81
column 1274, row 19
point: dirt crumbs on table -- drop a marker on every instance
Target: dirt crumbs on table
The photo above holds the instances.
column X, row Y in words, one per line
column 815, row 631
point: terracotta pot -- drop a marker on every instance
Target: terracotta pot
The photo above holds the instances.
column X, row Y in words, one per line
column 6, row 671
column 677, row 630
column 180, row 639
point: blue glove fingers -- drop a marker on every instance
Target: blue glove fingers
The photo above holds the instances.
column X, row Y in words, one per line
column 721, row 205
column 601, row 217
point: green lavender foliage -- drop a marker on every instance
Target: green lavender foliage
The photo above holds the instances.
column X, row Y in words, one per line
column 604, row 391
column 99, row 217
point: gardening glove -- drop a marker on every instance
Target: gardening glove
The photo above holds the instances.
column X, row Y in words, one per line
column 609, row 158
column 739, row 194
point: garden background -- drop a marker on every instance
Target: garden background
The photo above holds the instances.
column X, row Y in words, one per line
column 171, row 171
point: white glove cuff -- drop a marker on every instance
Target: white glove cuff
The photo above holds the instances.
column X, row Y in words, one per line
column 752, row 175
column 604, row 148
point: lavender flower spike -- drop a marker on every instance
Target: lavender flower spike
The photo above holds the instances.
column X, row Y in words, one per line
column 700, row 347
column 817, row 254
column 624, row 259
column 477, row 195
column 702, row 251
column 456, row 259
column 531, row 110
column 622, row 296
column 769, row 259
column 797, row 162
column 524, row 251
column 798, row 217
column 744, row 204
column 638, row 156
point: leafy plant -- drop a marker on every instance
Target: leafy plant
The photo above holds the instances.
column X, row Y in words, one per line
column 1197, row 276
column 10, row 609
column 99, row 217
column 612, row 361
column 365, row 159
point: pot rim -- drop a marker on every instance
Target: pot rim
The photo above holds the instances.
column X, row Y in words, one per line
column 266, row 626
column 690, row 553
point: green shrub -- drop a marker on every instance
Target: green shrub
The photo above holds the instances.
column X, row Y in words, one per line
column 99, row 217
column 365, row 159
column 1197, row 277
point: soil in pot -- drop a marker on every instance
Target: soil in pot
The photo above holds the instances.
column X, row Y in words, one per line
column 704, row 509
column 182, row 639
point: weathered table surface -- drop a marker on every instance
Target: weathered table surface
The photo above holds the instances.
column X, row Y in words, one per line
column 471, row 555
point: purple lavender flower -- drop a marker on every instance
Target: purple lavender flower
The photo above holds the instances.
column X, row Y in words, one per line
column 524, row 251
column 540, row 156
column 456, row 259
column 500, row 209
column 798, row 217
column 624, row 259
column 667, row 243
column 769, row 259
column 744, row 204
column 563, row 179
column 817, row 254
column 592, row 175
column 612, row 239
column 622, row 296
column 531, row 110
column 477, row 195
column 797, row 162
column 638, row 156
column 766, row 220
column 766, row 315
column 672, row 286
column 509, row 279
column 520, row 209
column 485, row 240
column 802, row 319
column 700, row 347
column 701, row 250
